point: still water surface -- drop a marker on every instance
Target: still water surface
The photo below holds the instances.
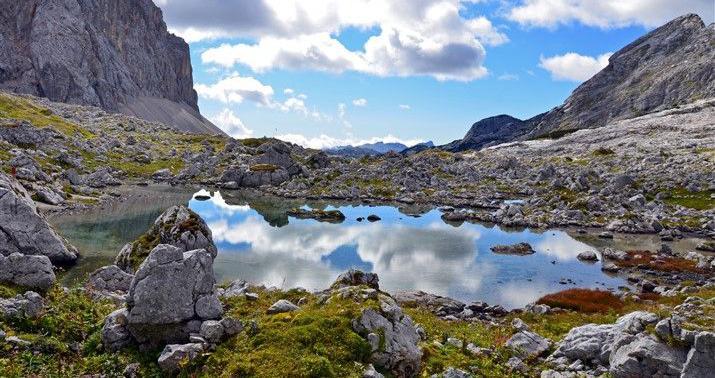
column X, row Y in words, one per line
column 410, row 248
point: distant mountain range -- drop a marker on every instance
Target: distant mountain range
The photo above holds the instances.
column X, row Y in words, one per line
column 372, row 149
column 670, row 66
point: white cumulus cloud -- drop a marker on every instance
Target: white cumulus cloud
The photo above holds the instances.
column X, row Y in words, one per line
column 405, row 107
column 360, row 102
column 324, row 141
column 236, row 89
column 573, row 66
column 231, row 124
column 607, row 13
column 417, row 38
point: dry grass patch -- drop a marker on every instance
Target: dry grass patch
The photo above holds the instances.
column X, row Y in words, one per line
column 651, row 261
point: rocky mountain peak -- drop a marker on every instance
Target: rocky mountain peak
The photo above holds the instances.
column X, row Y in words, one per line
column 117, row 55
column 670, row 66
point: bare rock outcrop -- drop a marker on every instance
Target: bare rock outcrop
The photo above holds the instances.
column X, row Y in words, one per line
column 117, row 55
column 171, row 294
column 23, row 230
column 179, row 227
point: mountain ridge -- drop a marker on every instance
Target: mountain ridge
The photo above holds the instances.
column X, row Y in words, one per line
column 669, row 66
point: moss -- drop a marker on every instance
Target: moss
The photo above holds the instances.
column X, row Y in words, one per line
column 19, row 108
column 254, row 142
column 602, row 151
column 9, row 290
column 317, row 341
column 696, row 200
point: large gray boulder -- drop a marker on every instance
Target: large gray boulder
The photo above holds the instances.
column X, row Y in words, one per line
column 700, row 362
column 179, row 227
column 34, row 272
column 642, row 355
column 593, row 344
column 278, row 154
column 109, row 282
column 171, row 294
column 117, row 55
column 526, row 343
column 28, row 305
column 393, row 337
column 23, row 230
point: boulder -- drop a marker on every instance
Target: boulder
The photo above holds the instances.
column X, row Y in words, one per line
column 179, row 227
column 355, row 277
column 593, row 343
column 48, row 196
column 171, row 294
column 520, row 249
column 213, row 331
column 319, row 160
column 28, row 305
column 642, row 355
column 115, row 333
column 24, row 230
column 34, row 272
column 109, row 282
column 590, row 256
column 397, row 348
column 700, row 361
column 282, row 306
column 175, row 355
column 101, row 178
column 278, row 154
column 453, row 373
column 526, row 344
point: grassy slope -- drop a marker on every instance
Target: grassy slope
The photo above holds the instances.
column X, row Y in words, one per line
column 316, row 341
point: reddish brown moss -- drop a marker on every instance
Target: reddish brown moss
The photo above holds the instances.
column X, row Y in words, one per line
column 583, row 300
column 651, row 261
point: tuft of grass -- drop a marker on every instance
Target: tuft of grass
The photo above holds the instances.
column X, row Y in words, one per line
column 602, row 151
column 315, row 341
column 583, row 300
column 697, row 200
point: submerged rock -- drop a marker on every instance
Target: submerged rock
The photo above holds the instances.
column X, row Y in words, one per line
column 23, row 230
column 331, row 216
column 520, row 249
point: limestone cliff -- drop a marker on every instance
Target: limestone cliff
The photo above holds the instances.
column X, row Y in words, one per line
column 115, row 54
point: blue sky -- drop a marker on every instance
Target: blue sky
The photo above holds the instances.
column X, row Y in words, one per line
column 331, row 72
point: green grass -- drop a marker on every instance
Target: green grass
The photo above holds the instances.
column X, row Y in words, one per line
column 19, row 108
column 316, row 341
column 697, row 200
column 264, row 168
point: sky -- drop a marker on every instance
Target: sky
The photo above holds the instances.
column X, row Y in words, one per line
column 324, row 73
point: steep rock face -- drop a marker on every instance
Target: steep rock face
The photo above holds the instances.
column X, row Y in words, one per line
column 492, row 131
column 672, row 65
column 113, row 54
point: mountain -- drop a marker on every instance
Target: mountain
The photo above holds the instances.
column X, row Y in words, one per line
column 383, row 148
column 117, row 55
column 491, row 131
column 371, row 149
column 670, row 66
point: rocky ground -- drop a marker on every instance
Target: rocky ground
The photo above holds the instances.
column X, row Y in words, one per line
column 652, row 174
column 160, row 312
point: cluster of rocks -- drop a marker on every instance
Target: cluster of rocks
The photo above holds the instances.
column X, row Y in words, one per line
column 179, row 227
column 627, row 349
column 452, row 309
